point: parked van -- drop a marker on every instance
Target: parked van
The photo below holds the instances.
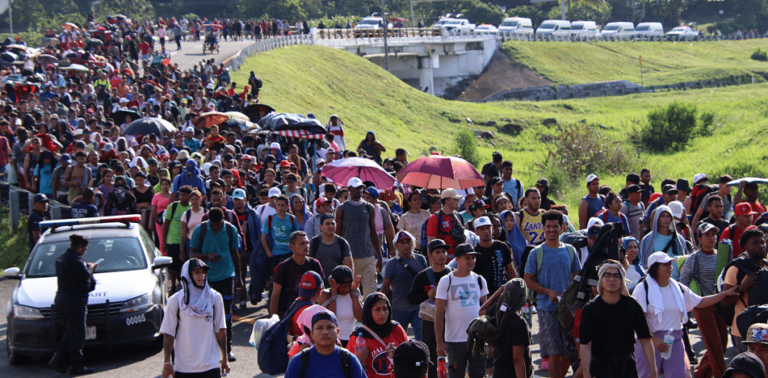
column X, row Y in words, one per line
column 518, row 25
column 649, row 30
column 619, row 30
column 554, row 28
column 581, row 29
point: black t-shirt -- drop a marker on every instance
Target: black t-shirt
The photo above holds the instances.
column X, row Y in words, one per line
column 611, row 328
column 491, row 263
column 421, row 285
column 720, row 224
column 515, row 332
column 35, row 218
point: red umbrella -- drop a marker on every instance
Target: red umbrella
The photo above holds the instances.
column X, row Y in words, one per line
column 441, row 172
column 342, row 170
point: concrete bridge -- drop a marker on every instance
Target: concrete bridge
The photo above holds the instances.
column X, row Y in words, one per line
column 427, row 59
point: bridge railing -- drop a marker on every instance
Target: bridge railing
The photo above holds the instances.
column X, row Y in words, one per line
column 533, row 37
column 267, row 44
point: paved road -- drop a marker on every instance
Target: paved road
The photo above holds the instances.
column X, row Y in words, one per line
column 192, row 52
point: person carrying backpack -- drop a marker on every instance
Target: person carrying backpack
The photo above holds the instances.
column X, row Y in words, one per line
column 325, row 358
column 276, row 233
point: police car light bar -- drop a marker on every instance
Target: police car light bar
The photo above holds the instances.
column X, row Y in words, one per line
column 97, row 220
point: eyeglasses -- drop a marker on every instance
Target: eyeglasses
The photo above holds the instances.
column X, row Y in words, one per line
column 611, row 276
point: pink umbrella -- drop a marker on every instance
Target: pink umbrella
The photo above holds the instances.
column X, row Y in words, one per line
column 440, row 172
column 342, row 170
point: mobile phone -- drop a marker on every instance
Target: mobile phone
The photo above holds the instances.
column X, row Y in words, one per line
column 99, row 261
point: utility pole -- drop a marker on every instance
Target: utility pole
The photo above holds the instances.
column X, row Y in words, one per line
column 386, row 48
column 413, row 19
column 10, row 18
column 562, row 8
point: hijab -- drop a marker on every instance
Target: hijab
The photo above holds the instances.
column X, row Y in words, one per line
column 381, row 330
column 307, row 214
column 196, row 302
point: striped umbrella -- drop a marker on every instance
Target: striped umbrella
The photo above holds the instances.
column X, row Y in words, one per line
column 342, row 170
column 440, row 172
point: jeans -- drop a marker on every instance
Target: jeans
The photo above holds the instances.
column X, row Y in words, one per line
column 71, row 309
column 409, row 317
column 225, row 287
column 428, row 337
column 259, row 275
column 460, row 360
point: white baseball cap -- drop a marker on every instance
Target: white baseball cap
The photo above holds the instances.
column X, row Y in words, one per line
column 482, row 222
column 402, row 235
column 659, row 258
column 274, row 145
column 677, row 209
column 354, row 182
column 591, row 177
column 189, row 129
column 274, row 192
column 698, row 177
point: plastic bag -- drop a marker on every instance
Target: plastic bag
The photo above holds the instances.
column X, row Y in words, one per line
column 260, row 327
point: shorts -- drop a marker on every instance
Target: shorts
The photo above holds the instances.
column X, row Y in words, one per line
column 173, row 252
column 554, row 340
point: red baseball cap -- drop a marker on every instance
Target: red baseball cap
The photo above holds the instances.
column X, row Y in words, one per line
column 310, row 283
column 284, row 164
column 743, row 208
column 321, row 201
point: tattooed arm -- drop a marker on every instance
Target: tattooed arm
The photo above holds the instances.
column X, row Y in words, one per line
column 221, row 339
column 167, row 352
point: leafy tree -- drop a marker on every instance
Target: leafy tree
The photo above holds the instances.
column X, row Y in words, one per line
column 136, row 10
column 600, row 12
column 535, row 13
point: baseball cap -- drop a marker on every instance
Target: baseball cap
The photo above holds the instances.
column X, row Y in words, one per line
column 700, row 176
column 660, row 258
column 543, row 183
column 354, row 182
column 330, row 150
column 669, row 189
column 479, row 204
column 310, row 283
column 195, row 263
column 450, row 193
column 743, row 208
column 591, row 177
column 81, row 144
column 321, row 201
column 65, row 158
column 482, row 222
column 342, row 274
column 291, row 178
column 747, row 363
column 495, row 180
column 373, row 192
column 274, row 145
column 464, row 249
column 634, row 188
column 677, row 209
column 39, row 197
column 704, row 228
column 437, row 243
column 402, row 235
column 189, row 129
column 325, row 216
column 238, row 194
column 411, row 359
column 324, row 315
column 285, row 164
column 757, row 334
column 633, row 178
column 274, row 192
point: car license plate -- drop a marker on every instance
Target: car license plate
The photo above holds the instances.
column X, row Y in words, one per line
column 90, row 333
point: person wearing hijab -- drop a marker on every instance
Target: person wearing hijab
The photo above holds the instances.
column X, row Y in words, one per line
column 666, row 304
column 371, row 147
column 381, row 335
column 631, row 261
column 198, row 348
column 299, row 210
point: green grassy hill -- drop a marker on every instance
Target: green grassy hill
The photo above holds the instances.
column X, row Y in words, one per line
column 304, row 79
column 663, row 62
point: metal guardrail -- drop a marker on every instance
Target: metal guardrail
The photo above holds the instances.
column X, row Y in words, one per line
column 511, row 36
column 236, row 61
column 20, row 203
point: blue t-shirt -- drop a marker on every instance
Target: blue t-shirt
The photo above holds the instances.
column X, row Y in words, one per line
column 280, row 233
column 402, row 279
column 556, row 269
column 193, row 144
column 324, row 366
column 84, row 209
column 46, row 179
column 594, row 205
column 621, row 218
column 220, row 244
column 513, row 189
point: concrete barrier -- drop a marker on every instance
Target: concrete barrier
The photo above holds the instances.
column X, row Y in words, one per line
column 20, row 203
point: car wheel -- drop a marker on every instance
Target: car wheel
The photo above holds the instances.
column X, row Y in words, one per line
column 14, row 358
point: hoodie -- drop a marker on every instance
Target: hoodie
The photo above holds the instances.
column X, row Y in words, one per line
column 646, row 246
column 190, row 175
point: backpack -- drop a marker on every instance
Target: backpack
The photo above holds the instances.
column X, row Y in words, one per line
column 344, row 358
column 457, row 232
column 745, row 267
column 488, row 328
column 539, row 251
column 698, row 193
column 273, row 346
column 751, row 315
column 204, row 230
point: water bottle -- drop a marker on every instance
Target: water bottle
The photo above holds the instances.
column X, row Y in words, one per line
column 360, row 342
column 669, row 340
column 441, row 371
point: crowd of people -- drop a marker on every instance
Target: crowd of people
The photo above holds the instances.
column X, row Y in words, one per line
column 366, row 264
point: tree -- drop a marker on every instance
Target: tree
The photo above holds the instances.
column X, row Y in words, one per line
column 136, row 10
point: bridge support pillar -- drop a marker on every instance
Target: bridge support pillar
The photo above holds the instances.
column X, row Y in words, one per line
column 426, row 78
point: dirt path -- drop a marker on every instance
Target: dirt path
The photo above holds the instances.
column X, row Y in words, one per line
column 502, row 75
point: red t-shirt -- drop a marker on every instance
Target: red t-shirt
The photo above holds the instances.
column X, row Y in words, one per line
column 444, row 232
column 378, row 365
column 296, row 328
column 144, row 46
column 737, row 231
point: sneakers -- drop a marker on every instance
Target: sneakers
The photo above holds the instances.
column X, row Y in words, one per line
column 243, row 305
column 533, row 311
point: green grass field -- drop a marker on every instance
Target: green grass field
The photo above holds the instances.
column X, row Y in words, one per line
column 663, row 62
column 323, row 81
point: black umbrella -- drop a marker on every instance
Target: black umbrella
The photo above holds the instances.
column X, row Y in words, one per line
column 119, row 116
column 288, row 121
column 255, row 111
column 149, row 125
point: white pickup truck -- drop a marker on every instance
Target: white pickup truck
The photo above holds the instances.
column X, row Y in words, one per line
column 458, row 25
column 683, row 33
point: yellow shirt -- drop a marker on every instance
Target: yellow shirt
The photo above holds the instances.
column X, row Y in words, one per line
column 532, row 227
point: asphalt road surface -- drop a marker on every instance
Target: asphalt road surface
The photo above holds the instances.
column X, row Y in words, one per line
column 192, row 52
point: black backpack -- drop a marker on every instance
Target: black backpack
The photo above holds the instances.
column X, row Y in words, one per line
column 273, row 346
column 344, row 357
column 745, row 267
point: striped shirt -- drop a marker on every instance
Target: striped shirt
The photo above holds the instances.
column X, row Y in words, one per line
column 701, row 266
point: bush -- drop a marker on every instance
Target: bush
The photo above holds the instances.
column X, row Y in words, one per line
column 670, row 128
column 579, row 149
column 760, row 55
column 14, row 246
column 466, row 146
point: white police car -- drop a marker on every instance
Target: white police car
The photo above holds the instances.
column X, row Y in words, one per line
column 126, row 306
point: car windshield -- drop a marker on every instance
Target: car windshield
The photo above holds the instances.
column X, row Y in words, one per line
column 547, row 25
column 369, row 22
column 642, row 27
column 678, row 29
column 577, row 26
column 453, row 22
column 612, row 27
column 509, row 23
column 119, row 254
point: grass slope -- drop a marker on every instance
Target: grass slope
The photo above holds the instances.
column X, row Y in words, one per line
column 663, row 62
column 323, row 81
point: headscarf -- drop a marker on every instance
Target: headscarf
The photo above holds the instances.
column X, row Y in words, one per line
column 382, row 330
column 305, row 320
column 196, row 301
column 307, row 214
column 604, row 268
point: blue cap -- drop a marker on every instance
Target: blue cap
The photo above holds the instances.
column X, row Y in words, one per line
column 373, row 192
column 238, row 194
column 324, row 315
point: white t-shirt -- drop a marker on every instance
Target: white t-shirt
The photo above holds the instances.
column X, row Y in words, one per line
column 345, row 314
column 671, row 317
column 463, row 303
column 264, row 211
column 195, row 347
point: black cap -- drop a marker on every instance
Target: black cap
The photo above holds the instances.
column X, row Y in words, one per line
column 479, row 204
column 437, row 243
column 342, row 274
column 464, row 249
column 633, row 178
column 669, row 189
column 682, row 184
column 594, row 230
column 195, row 263
column 634, row 188
column 228, row 157
column 746, row 363
column 496, row 180
column 39, row 197
column 325, row 216
column 543, row 183
column 411, row 359
column 225, row 172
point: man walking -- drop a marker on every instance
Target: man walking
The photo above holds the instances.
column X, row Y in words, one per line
column 592, row 203
column 634, row 210
column 459, row 297
column 330, row 249
column 446, row 223
column 285, row 288
column 494, row 259
column 324, row 358
column 172, row 232
column 398, row 275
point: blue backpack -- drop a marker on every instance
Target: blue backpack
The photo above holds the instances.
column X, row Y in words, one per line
column 273, row 348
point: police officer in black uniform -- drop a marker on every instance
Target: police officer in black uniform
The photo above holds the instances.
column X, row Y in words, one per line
column 75, row 279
